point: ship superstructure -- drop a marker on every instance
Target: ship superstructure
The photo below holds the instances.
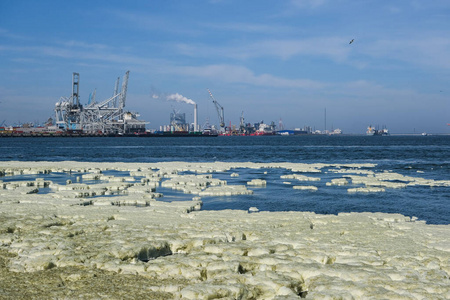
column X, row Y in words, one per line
column 372, row 131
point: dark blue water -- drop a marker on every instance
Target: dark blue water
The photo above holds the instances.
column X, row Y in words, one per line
column 417, row 156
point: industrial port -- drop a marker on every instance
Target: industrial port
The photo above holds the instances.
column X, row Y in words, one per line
column 109, row 117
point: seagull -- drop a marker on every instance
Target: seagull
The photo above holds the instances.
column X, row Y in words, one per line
column 351, row 41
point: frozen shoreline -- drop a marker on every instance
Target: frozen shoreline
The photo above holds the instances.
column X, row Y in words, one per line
column 173, row 250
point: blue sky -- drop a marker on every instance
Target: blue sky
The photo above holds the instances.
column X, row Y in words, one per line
column 271, row 60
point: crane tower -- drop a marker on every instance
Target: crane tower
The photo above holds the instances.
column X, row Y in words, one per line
column 219, row 109
column 107, row 116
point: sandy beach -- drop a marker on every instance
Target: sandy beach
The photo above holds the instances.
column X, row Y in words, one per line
column 117, row 240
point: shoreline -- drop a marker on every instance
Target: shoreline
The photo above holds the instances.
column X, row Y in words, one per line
column 180, row 135
column 63, row 246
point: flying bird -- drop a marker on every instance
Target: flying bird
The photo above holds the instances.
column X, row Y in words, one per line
column 351, row 41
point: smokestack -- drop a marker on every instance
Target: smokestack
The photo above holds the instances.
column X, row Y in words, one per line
column 195, row 118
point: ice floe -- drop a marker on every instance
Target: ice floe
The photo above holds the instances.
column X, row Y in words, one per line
column 305, row 187
column 112, row 238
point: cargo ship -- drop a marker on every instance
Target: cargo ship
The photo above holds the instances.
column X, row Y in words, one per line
column 372, row 131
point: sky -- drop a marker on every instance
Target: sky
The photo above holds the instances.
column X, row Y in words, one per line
column 274, row 60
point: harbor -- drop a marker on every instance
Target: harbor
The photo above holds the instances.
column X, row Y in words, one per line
column 246, row 150
column 110, row 118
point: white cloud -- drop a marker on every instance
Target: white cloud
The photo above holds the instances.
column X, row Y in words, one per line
column 371, row 91
column 429, row 51
column 239, row 74
column 226, row 73
column 83, row 54
column 335, row 48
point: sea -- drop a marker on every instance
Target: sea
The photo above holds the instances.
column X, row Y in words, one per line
column 417, row 156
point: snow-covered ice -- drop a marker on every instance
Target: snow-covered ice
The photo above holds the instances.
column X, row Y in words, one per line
column 66, row 245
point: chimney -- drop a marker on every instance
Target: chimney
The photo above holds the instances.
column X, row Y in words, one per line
column 195, row 117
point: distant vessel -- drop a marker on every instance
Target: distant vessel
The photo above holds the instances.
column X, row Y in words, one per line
column 265, row 129
column 372, row 131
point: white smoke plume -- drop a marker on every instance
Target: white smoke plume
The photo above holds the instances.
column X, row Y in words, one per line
column 179, row 98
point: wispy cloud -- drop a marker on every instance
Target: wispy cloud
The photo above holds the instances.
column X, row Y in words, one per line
column 81, row 54
column 154, row 22
column 8, row 34
column 240, row 74
column 226, row 73
column 428, row 51
column 307, row 3
column 364, row 91
column 250, row 27
column 334, row 48
column 84, row 45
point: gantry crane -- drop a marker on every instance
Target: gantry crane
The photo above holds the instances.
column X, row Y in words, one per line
column 219, row 109
column 107, row 116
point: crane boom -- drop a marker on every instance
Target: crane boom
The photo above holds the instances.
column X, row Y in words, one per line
column 219, row 109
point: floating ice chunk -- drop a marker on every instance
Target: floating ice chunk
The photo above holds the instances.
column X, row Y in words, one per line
column 306, row 168
column 130, row 202
column 353, row 171
column 253, row 210
column 40, row 182
column 70, row 187
column 114, row 179
column 338, row 182
column 140, row 189
column 234, row 175
column 147, row 173
column 226, row 190
column 257, row 182
column 300, row 177
column 91, row 176
column 15, row 184
column 366, row 190
column 378, row 181
column 305, row 187
column 192, row 184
